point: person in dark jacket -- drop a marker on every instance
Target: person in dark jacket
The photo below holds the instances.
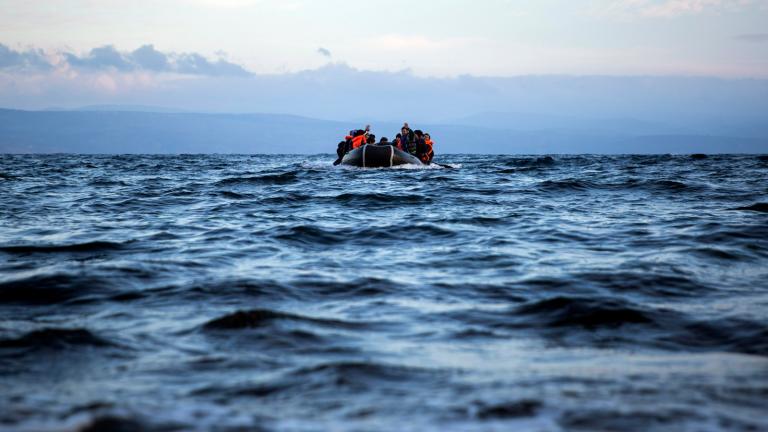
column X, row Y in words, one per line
column 407, row 139
column 418, row 143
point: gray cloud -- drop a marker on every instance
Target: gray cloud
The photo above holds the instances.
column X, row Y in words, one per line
column 31, row 59
column 195, row 64
column 101, row 58
column 324, row 52
column 107, row 57
column 148, row 58
column 753, row 37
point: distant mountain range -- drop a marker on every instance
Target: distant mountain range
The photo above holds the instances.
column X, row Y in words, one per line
column 141, row 129
column 130, row 108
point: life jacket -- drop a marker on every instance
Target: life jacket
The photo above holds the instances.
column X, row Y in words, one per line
column 428, row 154
column 358, row 141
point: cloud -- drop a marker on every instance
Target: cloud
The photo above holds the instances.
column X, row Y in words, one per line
column 29, row 60
column 147, row 58
column 101, row 58
column 675, row 8
column 324, row 52
column 195, row 64
column 753, row 37
column 109, row 59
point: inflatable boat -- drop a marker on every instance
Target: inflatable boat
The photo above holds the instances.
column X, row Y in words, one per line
column 378, row 156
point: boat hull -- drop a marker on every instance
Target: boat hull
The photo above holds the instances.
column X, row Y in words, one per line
column 378, row 156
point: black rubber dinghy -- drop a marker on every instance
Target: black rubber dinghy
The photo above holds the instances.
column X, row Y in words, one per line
column 378, row 156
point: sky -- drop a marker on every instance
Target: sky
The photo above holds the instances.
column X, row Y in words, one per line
column 724, row 38
column 433, row 60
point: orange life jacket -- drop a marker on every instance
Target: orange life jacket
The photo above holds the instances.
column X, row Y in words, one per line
column 358, row 141
column 429, row 154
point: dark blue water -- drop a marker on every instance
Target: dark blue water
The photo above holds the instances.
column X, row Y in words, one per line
column 625, row 293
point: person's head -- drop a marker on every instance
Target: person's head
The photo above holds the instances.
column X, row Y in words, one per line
column 404, row 131
column 426, row 136
column 418, row 133
column 405, row 125
column 384, row 139
column 371, row 138
column 359, row 132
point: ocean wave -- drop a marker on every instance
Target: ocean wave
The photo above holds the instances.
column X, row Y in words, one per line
column 257, row 318
column 567, row 185
column 324, row 289
column 614, row 322
column 725, row 335
column 54, row 338
column 116, row 422
column 313, row 235
column 93, row 246
column 364, row 373
column 49, row 289
column 758, row 207
column 528, row 162
column 107, row 182
column 381, row 198
column 508, row 410
column 655, row 285
column 582, row 312
column 267, row 179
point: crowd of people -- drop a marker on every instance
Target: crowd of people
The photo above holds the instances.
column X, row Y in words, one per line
column 415, row 142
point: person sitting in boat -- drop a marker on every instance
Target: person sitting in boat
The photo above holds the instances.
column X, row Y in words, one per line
column 422, row 149
column 396, row 142
column 346, row 145
column 359, row 139
column 418, row 142
column 384, row 141
column 428, row 150
column 407, row 139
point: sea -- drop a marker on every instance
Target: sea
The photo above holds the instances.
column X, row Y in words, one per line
column 281, row 293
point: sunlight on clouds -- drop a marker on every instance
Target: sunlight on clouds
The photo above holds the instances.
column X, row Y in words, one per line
column 68, row 80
